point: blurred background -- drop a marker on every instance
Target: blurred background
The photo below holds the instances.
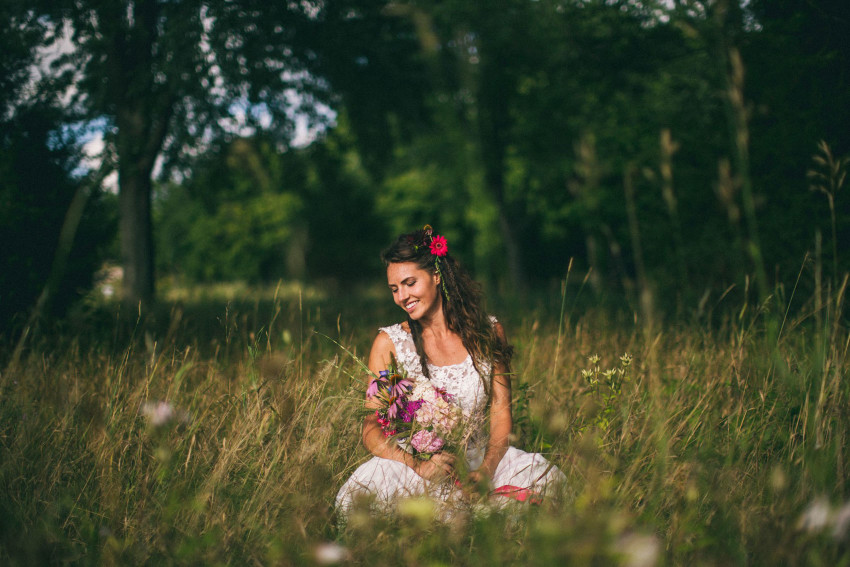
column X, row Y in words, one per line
column 685, row 147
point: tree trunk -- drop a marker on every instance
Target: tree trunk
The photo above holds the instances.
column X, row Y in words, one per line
column 136, row 233
column 143, row 109
column 494, row 121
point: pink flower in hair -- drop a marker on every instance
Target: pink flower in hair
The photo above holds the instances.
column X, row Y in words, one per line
column 439, row 247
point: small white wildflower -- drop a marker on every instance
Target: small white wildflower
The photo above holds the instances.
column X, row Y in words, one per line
column 626, row 359
column 594, row 360
column 816, row 516
column 330, row 553
column 638, row 550
column 162, row 413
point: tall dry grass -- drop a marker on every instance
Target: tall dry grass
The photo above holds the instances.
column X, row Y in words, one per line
column 719, row 442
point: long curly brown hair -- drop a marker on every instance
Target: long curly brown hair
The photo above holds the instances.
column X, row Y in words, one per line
column 463, row 303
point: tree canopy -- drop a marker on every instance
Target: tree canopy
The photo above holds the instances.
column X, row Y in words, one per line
column 671, row 140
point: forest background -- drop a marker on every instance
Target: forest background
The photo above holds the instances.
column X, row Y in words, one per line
column 691, row 146
column 652, row 193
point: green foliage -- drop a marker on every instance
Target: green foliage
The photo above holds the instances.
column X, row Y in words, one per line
column 790, row 118
column 627, row 136
column 245, row 239
column 36, row 188
column 546, row 115
column 252, row 213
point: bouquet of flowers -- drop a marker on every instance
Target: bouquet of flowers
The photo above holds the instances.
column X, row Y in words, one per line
column 424, row 419
column 421, row 416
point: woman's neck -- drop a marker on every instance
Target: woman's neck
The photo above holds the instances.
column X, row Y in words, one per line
column 436, row 325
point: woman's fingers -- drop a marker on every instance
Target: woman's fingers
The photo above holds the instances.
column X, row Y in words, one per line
column 433, row 471
column 444, row 459
column 438, row 466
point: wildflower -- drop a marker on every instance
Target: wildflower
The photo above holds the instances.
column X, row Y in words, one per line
column 399, row 385
column 330, row 553
column 439, row 246
column 162, row 413
column 393, row 406
column 372, row 390
column 638, row 550
column 626, row 360
column 816, row 516
column 594, row 360
column 409, row 410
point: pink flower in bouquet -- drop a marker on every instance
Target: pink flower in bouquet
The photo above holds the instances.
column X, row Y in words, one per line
column 372, row 390
column 378, row 384
column 436, row 409
column 393, row 407
column 390, row 389
column 426, row 441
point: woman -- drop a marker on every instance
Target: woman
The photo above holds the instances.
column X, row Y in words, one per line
column 449, row 339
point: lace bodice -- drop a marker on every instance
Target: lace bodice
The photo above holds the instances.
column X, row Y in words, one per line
column 461, row 380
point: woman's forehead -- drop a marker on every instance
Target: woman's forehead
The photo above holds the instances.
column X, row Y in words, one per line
column 398, row 272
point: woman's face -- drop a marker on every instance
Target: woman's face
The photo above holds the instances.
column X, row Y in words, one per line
column 414, row 289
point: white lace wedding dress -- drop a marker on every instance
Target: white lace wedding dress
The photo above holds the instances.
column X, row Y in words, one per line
column 387, row 480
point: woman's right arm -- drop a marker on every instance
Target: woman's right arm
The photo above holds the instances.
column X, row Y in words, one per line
column 373, row 438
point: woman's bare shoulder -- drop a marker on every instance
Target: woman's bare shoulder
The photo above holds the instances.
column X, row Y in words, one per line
column 382, row 341
column 382, row 351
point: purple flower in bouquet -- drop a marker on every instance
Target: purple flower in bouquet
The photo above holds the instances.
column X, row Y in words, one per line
column 399, row 384
column 390, row 389
column 378, row 384
column 426, row 441
column 409, row 410
column 420, row 413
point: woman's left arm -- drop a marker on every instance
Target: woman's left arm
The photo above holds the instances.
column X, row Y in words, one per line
column 500, row 418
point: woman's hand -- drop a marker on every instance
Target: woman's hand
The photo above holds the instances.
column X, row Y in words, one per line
column 479, row 477
column 439, row 466
column 478, row 483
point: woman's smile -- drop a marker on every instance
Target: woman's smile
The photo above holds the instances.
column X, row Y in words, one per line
column 415, row 290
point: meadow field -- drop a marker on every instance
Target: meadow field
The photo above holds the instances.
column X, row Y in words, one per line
column 218, row 431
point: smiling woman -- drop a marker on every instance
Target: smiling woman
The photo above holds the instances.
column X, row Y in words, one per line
column 440, row 395
column 414, row 290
